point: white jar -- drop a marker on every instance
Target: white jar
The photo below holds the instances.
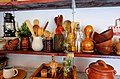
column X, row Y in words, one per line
column 37, row 43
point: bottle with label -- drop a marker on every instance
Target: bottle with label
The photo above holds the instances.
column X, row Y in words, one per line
column 49, row 44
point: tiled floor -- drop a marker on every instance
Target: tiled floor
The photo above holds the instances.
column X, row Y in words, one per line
column 79, row 75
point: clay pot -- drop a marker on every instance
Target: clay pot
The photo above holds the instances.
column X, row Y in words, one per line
column 25, row 43
column 100, row 70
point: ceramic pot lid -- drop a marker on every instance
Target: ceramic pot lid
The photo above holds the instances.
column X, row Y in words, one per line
column 101, row 66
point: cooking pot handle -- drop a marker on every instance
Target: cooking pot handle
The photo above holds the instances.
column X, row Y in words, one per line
column 87, row 70
column 114, row 71
column 101, row 62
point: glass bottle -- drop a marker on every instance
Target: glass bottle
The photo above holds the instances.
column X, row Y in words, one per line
column 79, row 38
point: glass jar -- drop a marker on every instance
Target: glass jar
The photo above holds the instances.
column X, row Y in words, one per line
column 48, row 42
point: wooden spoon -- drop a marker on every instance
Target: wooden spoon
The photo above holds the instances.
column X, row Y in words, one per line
column 68, row 25
column 46, row 25
column 30, row 27
column 36, row 26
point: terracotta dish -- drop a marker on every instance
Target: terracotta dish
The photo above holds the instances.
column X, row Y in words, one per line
column 98, row 38
column 104, row 47
column 102, row 37
column 106, row 43
column 108, row 34
column 104, row 50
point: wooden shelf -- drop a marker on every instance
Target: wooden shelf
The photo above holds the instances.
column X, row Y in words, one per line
column 113, row 56
column 56, row 4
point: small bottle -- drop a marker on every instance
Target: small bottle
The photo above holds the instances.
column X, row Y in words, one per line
column 79, row 38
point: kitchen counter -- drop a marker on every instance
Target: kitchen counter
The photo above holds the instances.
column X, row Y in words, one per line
column 30, row 71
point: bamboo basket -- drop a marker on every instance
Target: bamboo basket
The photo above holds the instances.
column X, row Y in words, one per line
column 36, row 74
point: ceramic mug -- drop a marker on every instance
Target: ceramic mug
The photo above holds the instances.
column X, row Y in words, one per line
column 9, row 72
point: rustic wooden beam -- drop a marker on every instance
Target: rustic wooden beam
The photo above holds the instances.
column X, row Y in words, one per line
column 57, row 4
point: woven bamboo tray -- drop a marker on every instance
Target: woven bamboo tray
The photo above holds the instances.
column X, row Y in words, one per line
column 36, row 74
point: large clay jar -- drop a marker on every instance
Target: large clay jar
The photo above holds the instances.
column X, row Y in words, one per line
column 37, row 43
column 100, row 70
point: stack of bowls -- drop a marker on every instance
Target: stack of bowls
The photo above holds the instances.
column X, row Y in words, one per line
column 103, row 41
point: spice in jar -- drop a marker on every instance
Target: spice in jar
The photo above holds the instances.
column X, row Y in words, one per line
column 44, row 73
column 49, row 44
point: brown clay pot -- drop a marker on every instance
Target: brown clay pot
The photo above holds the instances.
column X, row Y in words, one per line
column 100, row 70
column 25, row 43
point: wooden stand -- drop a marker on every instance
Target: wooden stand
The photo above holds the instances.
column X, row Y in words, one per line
column 36, row 74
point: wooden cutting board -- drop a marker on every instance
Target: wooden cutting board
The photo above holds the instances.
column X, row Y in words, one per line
column 21, row 74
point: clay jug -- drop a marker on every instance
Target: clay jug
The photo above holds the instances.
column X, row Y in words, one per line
column 37, row 44
column 87, row 44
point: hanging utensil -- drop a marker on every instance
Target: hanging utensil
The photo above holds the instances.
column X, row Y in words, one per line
column 46, row 25
column 30, row 27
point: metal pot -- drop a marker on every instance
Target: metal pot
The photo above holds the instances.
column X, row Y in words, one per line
column 100, row 70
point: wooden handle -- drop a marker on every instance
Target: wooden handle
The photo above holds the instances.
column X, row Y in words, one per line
column 46, row 25
column 30, row 27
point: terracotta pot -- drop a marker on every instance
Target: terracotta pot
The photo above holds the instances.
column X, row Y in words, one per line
column 100, row 70
column 25, row 43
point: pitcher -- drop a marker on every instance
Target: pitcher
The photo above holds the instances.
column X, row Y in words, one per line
column 37, row 44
